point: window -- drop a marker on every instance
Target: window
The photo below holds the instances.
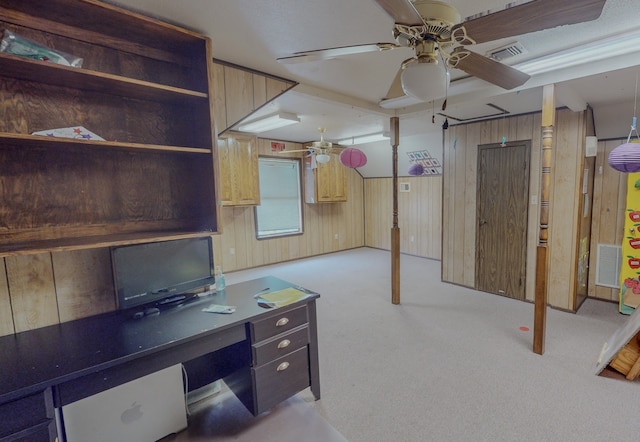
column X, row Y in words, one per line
column 280, row 209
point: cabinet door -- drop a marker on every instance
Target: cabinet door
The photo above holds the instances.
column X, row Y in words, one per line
column 331, row 181
column 239, row 179
column 224, row 171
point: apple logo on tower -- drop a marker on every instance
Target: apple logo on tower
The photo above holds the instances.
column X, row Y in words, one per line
column 131, row 414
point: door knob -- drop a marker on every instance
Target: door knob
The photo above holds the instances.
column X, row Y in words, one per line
column 483, row 222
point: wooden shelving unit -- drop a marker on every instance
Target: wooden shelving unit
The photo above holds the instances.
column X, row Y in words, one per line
column 146, row 87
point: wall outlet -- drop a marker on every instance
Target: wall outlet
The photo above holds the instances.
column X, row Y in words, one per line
column 412, row 238
column 335, row 236
column 232, row 251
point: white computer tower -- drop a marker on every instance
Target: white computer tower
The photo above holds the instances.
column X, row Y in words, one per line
column 143, row 410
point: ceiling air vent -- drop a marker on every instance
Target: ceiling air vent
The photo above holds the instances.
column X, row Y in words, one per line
column 508, row 51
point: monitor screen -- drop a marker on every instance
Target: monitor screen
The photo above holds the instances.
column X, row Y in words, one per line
column 152, row 272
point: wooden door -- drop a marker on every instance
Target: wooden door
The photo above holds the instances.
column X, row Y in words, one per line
column 502, row 212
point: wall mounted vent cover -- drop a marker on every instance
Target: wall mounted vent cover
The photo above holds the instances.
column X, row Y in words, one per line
column 608, row 265
column 508, row 51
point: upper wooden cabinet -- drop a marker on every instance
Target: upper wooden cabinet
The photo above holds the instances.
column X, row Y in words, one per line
column 146, row 87
column 327, row 183
column 238, row 170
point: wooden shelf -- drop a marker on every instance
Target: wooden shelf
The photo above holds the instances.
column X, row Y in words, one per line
column 91, row 242
column 21, row 68
column 146, row 86
column 62, row 143
column 103, row 24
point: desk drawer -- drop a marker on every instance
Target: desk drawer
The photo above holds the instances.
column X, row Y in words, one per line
column 26, row 413
column 280, row 345
column 281, row 379
column 277, row 323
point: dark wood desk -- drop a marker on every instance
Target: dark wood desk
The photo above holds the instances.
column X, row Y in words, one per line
column 264, row 355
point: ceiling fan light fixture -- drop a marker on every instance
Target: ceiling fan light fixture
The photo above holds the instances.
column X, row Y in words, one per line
column 425, row 80
column 322, row 158
column 270, row 122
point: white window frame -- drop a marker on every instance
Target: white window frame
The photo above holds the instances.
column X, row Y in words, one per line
column 280, row 211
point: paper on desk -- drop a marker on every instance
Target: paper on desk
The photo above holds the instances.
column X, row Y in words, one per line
column 217, row 308
column 283, row 297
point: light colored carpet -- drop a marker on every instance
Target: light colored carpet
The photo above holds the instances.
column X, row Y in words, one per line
column 223, row 418
column 450, row 363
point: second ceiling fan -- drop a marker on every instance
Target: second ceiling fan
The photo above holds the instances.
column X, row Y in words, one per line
column 434, row 31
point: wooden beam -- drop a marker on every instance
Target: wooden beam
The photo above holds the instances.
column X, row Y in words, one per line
column 542, row 252
column 395, row 230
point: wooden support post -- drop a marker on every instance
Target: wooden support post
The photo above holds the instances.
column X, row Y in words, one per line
column 542, row 252
column 395, row 230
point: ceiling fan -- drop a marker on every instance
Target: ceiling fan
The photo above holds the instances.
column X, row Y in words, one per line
column 320, row 149
column 433, row 30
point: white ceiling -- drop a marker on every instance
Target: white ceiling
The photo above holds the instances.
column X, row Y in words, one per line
column 343, row 94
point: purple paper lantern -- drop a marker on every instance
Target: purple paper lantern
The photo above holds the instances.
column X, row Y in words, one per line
column 416, row 169
column 626, row 158
column 352, row 157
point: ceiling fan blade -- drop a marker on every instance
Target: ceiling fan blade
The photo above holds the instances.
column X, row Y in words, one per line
column 294, row 151
column 326, row 54
column 529, row 17
column 487, row 69
column 401, row 11
column 395, row 90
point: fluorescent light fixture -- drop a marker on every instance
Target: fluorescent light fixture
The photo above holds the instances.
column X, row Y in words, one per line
column 323, row 158
column 381, row 136
column 397, row 102
column 599, row 50
column 275, row 121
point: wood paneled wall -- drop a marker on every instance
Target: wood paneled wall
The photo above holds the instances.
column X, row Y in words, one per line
column 609, row 206
column 48, row 288
column 459, row 197
column 237, row 247
column 240, row 91
column 459, row 192
column 419, row 215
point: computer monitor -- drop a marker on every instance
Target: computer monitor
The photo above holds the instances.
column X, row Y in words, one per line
column 152, row 272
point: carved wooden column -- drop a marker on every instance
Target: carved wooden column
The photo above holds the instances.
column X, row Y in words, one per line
column 542, row 251
column 395, row 230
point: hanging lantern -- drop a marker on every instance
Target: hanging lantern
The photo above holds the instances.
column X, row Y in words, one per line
column 352, row 157
column 626, row 157
column 415, row 169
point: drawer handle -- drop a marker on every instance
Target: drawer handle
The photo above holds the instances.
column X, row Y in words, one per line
column 283, row 366
column 284, row 343
column 282, row 322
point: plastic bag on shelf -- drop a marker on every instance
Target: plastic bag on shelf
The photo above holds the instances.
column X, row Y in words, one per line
column 12, row 43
